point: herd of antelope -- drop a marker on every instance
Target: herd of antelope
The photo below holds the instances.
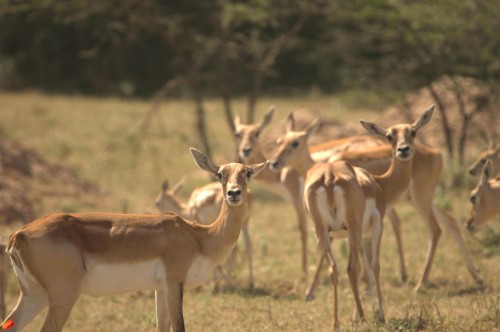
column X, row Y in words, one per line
column 345, row 187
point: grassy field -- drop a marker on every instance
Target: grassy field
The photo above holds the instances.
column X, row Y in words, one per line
column 101, row 139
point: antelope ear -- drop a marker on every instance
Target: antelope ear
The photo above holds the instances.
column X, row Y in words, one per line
column 237, row 120
column 313, row 127
column 373, row 128
column 290, row 123
column 204, row 162
column 267, row 117
column 164, row 185
column 257, row 168
column 424, row 118
column 487, row 172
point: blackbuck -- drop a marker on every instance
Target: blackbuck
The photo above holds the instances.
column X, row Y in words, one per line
column 60, row 256
column 373, row 154
column 425, row 175
column 485, row 198
column 287, row 182
column 493, row 154
column 348, row 201
column 203, row 207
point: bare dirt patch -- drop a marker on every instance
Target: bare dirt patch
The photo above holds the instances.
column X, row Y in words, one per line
column 28, row 182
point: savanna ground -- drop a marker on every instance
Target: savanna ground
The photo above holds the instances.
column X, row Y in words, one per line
column 102, row 141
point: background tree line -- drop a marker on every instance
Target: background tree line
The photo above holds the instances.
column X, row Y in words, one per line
column 240, row 48
column 133, row 47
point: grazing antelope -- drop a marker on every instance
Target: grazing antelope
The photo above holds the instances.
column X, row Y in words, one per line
column 485, row 198
column 492, row 154
column 203, row 207
column 60, row 256
column 287, row 182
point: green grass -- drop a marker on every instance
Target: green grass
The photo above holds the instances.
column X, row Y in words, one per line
column 100, row 138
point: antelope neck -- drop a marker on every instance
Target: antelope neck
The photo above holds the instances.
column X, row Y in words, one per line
column 395, row 181
column 224, row 232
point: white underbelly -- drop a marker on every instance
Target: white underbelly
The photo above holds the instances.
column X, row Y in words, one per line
column 103, row 278
column 198, row 273
column 322, row 156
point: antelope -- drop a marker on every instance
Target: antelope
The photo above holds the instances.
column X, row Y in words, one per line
column 60, row 256
column 369, row 153
column 348, row 201
column 427, row 168
column 493, row 154
column 485, row 198
column 287, row 182
column 204, row 205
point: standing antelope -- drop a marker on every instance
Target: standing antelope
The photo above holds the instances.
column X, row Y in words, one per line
column 426, row 171
column 485, row 198
column 287, row 182
column 349, row 201
column 204, row 205
column 60, row 256
column 367, row 152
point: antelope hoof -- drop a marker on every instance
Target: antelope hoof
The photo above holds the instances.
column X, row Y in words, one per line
column 479, row 280
column 309, row 296
column 380, row 317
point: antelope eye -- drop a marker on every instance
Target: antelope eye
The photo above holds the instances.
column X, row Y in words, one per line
column 256, row 134
column 389, row 137
column 237, row 134
column 219, row 176
column 483, row 161
column 413, row 133
column 248, row 175
column 295, row 144
column 473, row 199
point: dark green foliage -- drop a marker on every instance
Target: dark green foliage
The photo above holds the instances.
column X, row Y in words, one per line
column 133, row 47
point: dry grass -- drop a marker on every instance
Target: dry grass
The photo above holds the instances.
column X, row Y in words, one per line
column 101, row 139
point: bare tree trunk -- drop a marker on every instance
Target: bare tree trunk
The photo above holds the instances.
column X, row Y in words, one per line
column 158, row 99
column 201, row 124
column 444, row 120
column 225, row 91
column 262, row 68
column 190, row 75
column 462, row 137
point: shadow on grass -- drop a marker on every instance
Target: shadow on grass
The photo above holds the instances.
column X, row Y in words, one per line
column 468, row 291
column 245, row 292
column 411, row 323
column 284, row 291
column 491, row 243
